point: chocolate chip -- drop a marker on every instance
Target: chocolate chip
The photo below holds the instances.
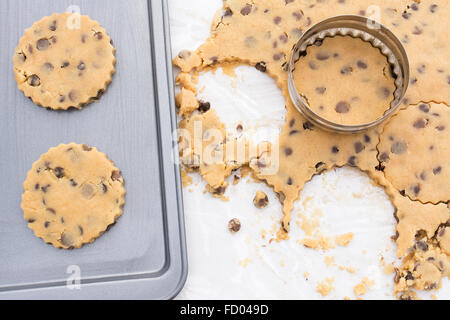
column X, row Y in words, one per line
column 414, row 6
column 278, row 56
column 416, row 189
column 321, row 90
column 98, row 35
column 423, row 107
column 291, row 123
column 59, row 172
column 48, row 66
column 361, row 64
column 297, row 15
column 409, row 276
column 322, row 56
column 384, row 92
column 234, row 225
column 417, row 30
column 36, row 186
column 66, row 239
column 423, row 175
column 318, row 43
column 34, row 81
column 402, row 192
column 440, row 128
column 292, row 132
column 346, row 70
column 52, row 26
column 46, row 224
column 288, row 151
column 42, row 44
column 413, row 81
column 83, row 38
column 433, row 8
column 283, row 38
column 104, row 188
column 86, row 147
column 246, row 10
column 30, row 48
column 437, row 170
column 384, row 157
column 352, row 161
column 359, row 147
column 31, row 220
column 261, row 66
column 203, row 106
column 421, row 68
column 313, row 65
column 62, row 99
column 288, row 1
column 116, row 175
column 239, row 128
column 319, row 164
column 65, row 64
column 308, row 125
column 398, row 147
column 73, row 95
column 334, row 149
column 81, row 66
column 51, row 210
column 62, row 220
column 277, row 20
column 45, row 188
column 80, row 230
column 289, row 181
column 406, row 15
column 342, row 107
column 419, row 124
column 73, row 183
column 367, row 138
column 227, row 12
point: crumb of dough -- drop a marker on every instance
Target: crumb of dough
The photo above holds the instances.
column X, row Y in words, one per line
column 260, row 200
column 324, row 287
column 184, row 80
column 344, row 239
column 244, row 263
column 186, row 102
column 185, row 178
column 329, row 260
column 364, row 286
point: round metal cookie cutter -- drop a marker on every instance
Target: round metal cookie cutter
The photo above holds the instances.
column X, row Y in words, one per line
column 357, row 27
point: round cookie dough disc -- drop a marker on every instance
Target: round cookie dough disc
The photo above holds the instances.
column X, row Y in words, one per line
column 414, row 151
column 345, row 80
column 72, row 194
column 60, row 66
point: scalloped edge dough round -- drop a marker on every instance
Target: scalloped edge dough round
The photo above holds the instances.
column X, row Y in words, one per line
column 72, row 194
column 55, row 71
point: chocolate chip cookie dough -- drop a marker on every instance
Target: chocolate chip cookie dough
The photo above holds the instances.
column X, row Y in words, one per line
column 261, row 33
column 72, row 194
column 414, row 151
column 60, row 65
column 345, row 80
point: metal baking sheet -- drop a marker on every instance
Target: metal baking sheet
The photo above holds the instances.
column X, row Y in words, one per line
column 143, row 256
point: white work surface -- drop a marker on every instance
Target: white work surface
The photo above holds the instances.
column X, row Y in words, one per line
column 245, row 265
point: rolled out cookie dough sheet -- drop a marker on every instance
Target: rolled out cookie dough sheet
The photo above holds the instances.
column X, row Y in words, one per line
column 234, row 265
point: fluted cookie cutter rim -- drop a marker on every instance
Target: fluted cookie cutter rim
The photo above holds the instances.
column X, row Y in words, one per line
column 357, row 27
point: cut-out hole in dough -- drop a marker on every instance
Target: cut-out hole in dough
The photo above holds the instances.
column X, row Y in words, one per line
column 249, row 104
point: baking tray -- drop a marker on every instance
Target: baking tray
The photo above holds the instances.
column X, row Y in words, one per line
column 143, row 256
